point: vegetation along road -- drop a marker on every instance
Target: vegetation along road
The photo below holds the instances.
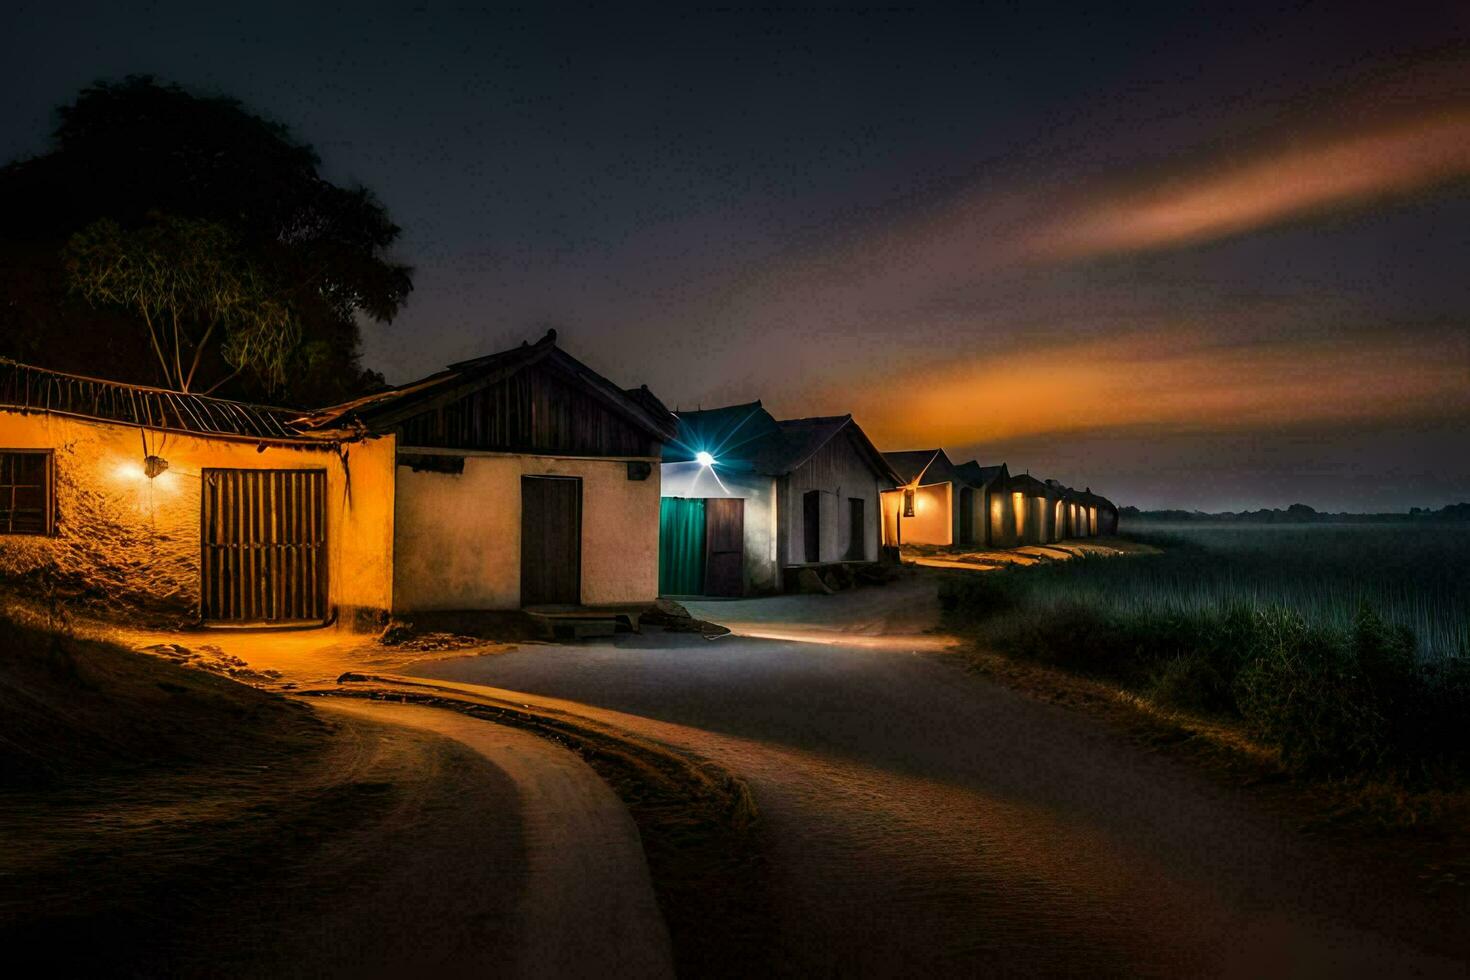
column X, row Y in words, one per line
column 919, row 818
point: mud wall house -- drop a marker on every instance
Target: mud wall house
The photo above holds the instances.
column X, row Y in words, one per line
column 521, row 479
column 991, row 483
column 747, row 497
column 934, row 504
column 182, row 507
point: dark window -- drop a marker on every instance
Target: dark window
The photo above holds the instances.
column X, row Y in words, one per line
column 856, row 530
column 25, row 492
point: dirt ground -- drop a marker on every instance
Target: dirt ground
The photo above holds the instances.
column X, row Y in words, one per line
column 584, row 903
column 377, row 851
column 166, row 821
column 921, row 819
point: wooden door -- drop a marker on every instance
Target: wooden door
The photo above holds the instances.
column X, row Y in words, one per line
column 551, row 541
column 811, row 525
column 857, row 530
column 724, row 541
column 264, row 546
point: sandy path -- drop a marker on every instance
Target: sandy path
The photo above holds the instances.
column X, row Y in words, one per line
column 922, row 819
column 587, row 907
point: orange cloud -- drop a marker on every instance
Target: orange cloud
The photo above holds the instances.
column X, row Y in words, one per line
column 1170, row 379
column 1270, row 188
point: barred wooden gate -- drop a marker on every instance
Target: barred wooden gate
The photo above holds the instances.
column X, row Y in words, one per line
column 264, row 535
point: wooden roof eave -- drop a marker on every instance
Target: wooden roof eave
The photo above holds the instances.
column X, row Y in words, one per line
column 477, row 380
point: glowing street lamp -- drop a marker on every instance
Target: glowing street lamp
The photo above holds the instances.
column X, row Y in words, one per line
column 704, row 459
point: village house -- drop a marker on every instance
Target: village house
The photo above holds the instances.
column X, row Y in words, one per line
column 748, row 499
column 1085, row 513
column 934, row 504
column 991, row 484
column 1037, row 507
column 187, row 507
column 521, row 479
column 1098, row 514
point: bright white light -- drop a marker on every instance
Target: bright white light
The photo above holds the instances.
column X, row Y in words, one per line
column 704, row 459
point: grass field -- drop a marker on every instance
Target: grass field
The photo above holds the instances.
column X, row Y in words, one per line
column 1347, row 647
column 1415, row 576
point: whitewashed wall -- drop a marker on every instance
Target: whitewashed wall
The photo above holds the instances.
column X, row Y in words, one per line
column 690, row 479
column 839, row 471
column 457, row 536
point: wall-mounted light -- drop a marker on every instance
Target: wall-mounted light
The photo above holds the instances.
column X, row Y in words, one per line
column 908, row 502
column 704, row 459
column 154, row 465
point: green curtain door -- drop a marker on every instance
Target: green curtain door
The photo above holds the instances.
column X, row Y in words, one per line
column 681, row 546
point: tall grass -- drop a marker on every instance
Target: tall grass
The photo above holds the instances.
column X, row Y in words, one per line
column 1416, row 577
column 1344, row 647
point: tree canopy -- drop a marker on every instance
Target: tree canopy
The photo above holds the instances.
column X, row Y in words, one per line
column 143, row 169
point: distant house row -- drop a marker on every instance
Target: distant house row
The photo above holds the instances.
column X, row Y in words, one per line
column 522, row 479
column 941, row 503
column 748, row 499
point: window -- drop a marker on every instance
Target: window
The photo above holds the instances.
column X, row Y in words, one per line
column 25, row 491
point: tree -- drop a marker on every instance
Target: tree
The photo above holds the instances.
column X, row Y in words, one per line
column 186, row 281
column 158, row 162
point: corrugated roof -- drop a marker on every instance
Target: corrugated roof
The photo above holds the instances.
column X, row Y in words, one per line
column 33, row 389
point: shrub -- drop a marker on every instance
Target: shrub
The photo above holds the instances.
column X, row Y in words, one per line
column 1298, row 691
column 1334, row 701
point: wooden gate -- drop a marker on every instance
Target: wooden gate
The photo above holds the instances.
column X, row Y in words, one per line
column 551, row 541
column 264, row 537
column 724, row 542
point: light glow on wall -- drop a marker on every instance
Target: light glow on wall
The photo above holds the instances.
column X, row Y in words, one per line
column 1018, row 505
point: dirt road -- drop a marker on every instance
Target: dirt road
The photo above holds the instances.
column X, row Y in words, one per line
column 924, row 820
column 585, row 905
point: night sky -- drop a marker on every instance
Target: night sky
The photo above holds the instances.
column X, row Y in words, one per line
column 1213, row 261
